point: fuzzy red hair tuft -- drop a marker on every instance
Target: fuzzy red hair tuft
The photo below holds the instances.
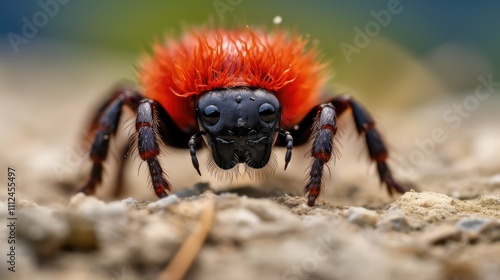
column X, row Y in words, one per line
column 203, row 60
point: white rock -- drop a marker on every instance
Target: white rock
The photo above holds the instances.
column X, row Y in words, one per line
column 129, row 201
column 163, row 203
column 361, row 216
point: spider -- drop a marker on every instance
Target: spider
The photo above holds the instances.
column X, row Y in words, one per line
column 242, row 91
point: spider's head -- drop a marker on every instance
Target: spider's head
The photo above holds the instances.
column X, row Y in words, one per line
column 241, row 125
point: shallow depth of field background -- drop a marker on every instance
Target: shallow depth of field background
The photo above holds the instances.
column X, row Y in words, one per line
column 462, row 32
column 422, row 62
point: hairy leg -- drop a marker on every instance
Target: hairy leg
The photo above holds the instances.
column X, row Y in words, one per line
column 320, row 125
column 105, row 126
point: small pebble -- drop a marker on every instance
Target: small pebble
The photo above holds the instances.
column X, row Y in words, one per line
column 162, row 203
column 394, row 220
column 472, row 225
column 361, row 216
column 240, row 216
column 129, row 201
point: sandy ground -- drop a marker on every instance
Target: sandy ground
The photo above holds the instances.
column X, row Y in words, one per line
column 447, row 227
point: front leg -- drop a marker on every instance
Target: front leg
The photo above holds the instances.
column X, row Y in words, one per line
column 324, row 130
column 147, row 143
column 106, row 123
column 322, row 119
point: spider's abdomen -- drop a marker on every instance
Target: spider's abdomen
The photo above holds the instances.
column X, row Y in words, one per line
column 204, row 60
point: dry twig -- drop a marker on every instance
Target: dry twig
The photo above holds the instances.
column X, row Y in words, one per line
column 190, row 248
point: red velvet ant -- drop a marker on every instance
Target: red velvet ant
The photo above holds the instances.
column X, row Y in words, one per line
column 243, row 91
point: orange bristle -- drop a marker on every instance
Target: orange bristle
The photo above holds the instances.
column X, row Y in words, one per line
column 203, row 60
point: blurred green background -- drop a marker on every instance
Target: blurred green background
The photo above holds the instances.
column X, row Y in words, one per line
column 443, row 45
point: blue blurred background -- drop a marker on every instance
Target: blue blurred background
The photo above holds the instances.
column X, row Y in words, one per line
column 454, row 40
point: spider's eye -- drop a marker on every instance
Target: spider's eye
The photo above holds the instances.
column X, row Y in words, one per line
column 267, row 112
column 211, row 115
